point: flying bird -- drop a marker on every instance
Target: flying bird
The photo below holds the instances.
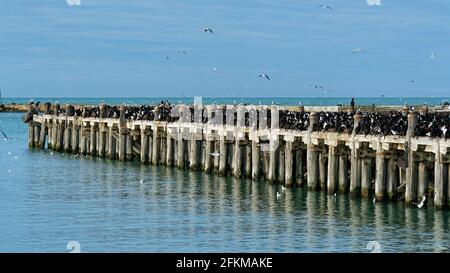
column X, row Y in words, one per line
column 433, row 54
column 325, row 7
column 265, row 76
column 184, row 52
column 73, row 2
column 421, row 203
column 4, row 135
column 216, row 154
column 207, row 29
column 316, row 86
column 374, row 2
column 358, row 50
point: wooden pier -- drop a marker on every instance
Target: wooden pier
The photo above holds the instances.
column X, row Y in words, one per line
column 382, row 168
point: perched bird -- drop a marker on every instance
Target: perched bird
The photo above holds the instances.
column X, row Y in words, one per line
column 207, row 29
column 325, row 7
column 265, row 76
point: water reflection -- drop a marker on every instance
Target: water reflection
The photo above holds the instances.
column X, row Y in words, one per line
column 52, row 199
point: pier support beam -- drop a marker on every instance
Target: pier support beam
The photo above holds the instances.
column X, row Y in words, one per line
column 129, row 146
column 208, row 150
column 93, row 141
column 144, row 145
column 237, row 159
column 288, row 162
column 312, row 162
column 170, row 151
column 272, row 160
column 156, row 147
column 323, row 170
column 193, row 156
column 411, row 180
column 344, row 184
column 180, row 152
column 366, row 176
column 380, row 177
column 43, row 135
column 392, row 179
column 75, row 138
column 102, row 140
column 30, row 134
column 223, row 157
column 423, row 178
column 256, row 169
column 440, row 177
column 299, row 163
column 248, row 160
column 332, row 176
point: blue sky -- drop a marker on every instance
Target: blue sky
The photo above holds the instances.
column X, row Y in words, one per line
column 119, row 48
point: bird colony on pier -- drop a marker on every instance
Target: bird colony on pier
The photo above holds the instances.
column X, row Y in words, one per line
column 388, row 156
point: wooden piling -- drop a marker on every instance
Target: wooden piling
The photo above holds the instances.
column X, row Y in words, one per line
column 323, row 170
column 332, row 177
column 380, row 176
column 366, row 176
column 423, row 177
column 288, row 162
column 248, row 160
column 392, row 179
column 344, row 184
column 255, row 160
column 156, row 146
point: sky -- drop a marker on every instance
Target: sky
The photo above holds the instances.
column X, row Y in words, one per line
column 118, row 48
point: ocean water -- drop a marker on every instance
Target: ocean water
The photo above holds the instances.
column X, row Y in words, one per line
column 322, row 101
column 49, row 199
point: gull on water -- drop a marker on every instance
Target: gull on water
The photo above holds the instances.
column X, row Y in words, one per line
column 278, row 195
column 265, row 76
column 283, row 188
column 421, row 203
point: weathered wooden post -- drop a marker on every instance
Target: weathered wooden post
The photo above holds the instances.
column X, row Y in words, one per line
column 129, row 145
column 93, row 138
column 248, row 160
column 423, row 177
column 288, row 162
column 366, row 172
column 111, row 143
column 311, row 157
column 223, row 156
column 392, row 179
column 123, row 130
column 381, row 171
column 102, row 132
column 255, row 158
column 411, row 171
column 31, row 127
column 323, row 171
column 355, row 161
column 144, row 144
column 332, row 176
column 75, row 136
column 208, row 150
column 299, row 163
column 343, row 173
column 440, row 177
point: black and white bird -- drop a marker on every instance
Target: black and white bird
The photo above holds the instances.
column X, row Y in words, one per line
column 325, row 7
column 207, row 29
column 265, row 76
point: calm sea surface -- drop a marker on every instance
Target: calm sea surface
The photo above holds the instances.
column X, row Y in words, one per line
column 50, row 199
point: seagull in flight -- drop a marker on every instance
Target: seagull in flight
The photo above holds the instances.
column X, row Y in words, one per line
column 320, row 87
column 207, row 29
column 421, row 203
column 358, row 50
column 433, row 54
column 3, row 133
column 184, row 52
column 216, row 154
column 325, row 7
column 265, row 76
